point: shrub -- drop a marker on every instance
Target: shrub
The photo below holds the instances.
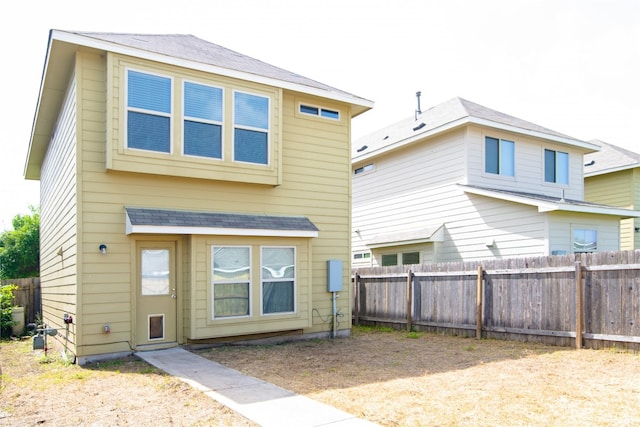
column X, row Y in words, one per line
column 6, row 310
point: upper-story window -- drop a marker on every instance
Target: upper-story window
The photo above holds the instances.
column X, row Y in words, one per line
column 149, row 103
column 320, row 112
column 250, row 128
column 203, row 120
column 499, row 156
column 556, row 167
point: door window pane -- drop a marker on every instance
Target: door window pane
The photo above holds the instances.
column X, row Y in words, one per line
column 155, row 271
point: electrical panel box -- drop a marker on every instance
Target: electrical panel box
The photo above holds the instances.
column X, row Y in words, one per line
column 334, row 275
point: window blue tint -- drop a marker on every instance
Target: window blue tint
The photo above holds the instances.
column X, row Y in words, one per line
column 562, row 167
column 491, row 155
column 202, row 139
column 149, row 92
column 330, row 114
column 309, row 110
column 250, row 146
column 148, row 132
column 251, row 110
column 202, row 102
column 507, row 157
column 549, row 166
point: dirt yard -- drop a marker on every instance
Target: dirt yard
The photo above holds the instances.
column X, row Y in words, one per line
column 393, row 378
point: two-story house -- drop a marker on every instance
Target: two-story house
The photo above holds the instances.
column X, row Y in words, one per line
column 188, row 193
column 612, row 177
column 463, row 182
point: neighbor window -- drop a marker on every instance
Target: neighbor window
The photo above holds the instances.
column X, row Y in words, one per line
column 321, row 112
column 231, row 281
column 389, row 259
column 361, row 256
column 585, row 240
column 251, row 128
column 278, row 277
column 499, row 156
column 411, row 258
column 148, row 112
column 202, row 120
column 362, row 169
column 556, row 167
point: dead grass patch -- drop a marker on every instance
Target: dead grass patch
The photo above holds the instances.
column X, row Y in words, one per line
column 47, row 391
column 396, row 378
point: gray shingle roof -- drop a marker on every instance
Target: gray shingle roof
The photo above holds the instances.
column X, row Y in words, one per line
column 610, row 158
column 177, row 218
column 439, row 116
column 191, row 48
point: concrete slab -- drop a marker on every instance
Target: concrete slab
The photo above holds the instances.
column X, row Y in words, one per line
column 257, row 400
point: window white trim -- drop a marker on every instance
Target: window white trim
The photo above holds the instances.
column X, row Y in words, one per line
column 200, row 120
column 294, row 280
column 306, row 109
column 266, row 130
column 213, row 282
column 150, row 112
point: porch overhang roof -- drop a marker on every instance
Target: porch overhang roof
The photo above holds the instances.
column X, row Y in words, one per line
column 407, row 237
column 551, row 204
column 165, row 221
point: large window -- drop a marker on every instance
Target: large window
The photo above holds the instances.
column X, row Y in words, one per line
column 499, row 156
column 231, row 281
column 148, row 112
column 278, row 277
column 250, row 128
column 556, row 167
column 202, row 120
column 585, row 240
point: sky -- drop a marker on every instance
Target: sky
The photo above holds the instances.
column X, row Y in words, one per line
column 569, row 65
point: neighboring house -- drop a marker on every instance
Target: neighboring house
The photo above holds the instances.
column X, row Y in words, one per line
column 189, row 193
column 612, row 177
column 463, row 182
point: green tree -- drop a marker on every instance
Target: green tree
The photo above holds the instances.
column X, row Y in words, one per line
column 20, row 247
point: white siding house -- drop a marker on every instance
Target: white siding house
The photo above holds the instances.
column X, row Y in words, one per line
column 463, row 182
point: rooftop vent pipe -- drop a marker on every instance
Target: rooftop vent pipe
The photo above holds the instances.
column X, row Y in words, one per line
column 419, row 110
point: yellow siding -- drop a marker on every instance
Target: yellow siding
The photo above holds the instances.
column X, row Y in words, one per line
column 616, row 189
column 314, row 182
column 58, row 246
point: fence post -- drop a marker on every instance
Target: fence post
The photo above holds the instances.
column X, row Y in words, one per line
column 409, row 299
column 356, row 303
column 479, row 303
column 578, row 305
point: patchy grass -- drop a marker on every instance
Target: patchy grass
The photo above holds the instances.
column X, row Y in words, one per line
column 39, row 389
column 400, row 378
column 394, row 378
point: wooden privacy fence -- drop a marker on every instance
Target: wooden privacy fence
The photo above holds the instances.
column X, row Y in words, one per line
column 27, row 295
column 586, row 300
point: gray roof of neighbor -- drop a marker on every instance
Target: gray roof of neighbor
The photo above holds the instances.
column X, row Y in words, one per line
column 178, row 218
column 454, row 112
column 610, row 158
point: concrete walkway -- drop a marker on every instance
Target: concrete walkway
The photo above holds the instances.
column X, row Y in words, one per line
column 261, row 402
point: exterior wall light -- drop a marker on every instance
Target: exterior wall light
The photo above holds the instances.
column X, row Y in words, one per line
column 103, row 249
